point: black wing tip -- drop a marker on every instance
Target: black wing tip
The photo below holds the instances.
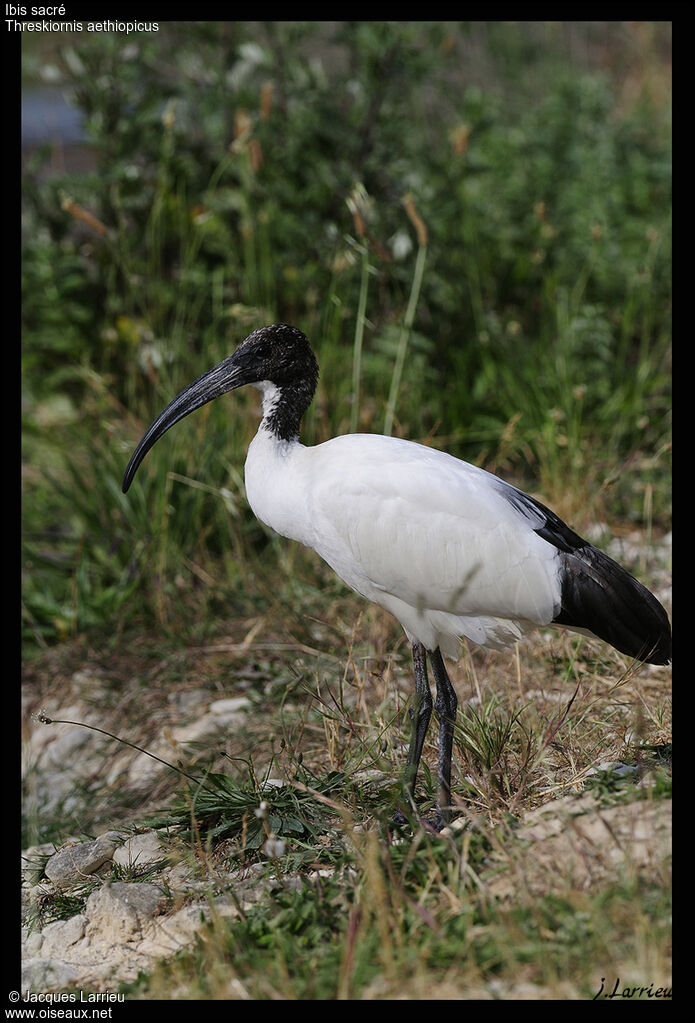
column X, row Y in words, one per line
column 600, row 596
column 659, row 653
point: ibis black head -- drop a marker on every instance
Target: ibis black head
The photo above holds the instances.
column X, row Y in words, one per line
column 279, row 354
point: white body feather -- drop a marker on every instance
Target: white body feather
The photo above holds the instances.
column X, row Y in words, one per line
column 430, row 538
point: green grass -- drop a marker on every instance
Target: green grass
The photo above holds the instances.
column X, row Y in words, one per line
column 292, row 958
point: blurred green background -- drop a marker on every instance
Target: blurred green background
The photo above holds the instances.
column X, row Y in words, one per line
column 471, row 221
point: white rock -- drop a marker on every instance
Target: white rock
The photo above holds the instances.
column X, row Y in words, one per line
column 231, row 705
column 118, row 912
column 139, row 850
column 59, row 935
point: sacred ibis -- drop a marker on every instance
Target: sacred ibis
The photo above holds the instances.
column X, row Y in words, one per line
column 450, row 550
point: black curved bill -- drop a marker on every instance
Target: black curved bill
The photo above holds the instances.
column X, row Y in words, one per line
column 227, row 375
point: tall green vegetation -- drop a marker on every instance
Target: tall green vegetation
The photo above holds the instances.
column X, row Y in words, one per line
column 471, row 223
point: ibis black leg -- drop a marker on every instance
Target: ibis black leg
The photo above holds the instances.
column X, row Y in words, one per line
column 420, row 714
column 445, row 705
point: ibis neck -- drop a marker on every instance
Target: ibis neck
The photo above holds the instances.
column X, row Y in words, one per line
column 284, row 407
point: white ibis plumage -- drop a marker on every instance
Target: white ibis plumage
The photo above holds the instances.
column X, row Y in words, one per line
column 449, row 549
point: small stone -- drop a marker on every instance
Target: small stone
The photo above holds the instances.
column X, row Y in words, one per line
column 76, row 863
column 139, row 850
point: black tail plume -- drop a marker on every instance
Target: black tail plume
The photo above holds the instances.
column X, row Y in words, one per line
column 599, row 595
